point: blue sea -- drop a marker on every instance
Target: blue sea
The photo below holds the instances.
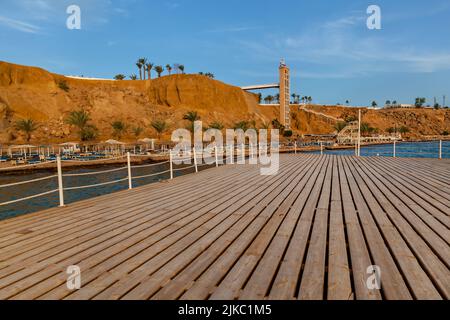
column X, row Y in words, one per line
column 52, row 200
column 403, row 150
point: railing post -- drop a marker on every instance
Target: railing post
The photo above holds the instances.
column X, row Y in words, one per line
column 195, row 160
column 171, row 164
column 295, row 147
column 440, row 149
column 130, row 182
column 217, row 156
column 321, row 148
column 395, row 149
column 60, row 181
column 231, row 154
column 359, row 132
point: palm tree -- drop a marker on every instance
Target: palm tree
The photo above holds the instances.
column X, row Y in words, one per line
column 181, row 67
column 159, row 70
column 119, row 77
column 133, row 77
column 388, row 102
column 27, row 126
column 143, row 62
column 160, row 126
column 304, row 98
column 216, row 125
column 309, row 99
column 119, row 128
column 80, row 120
column 277, row 98
column 340, row 126
column 277, row 125
column 191, row 116
column 347, row 102
column 169, row 69
column 137, row 131
column 259, row 95
column 365, row 128
column 403, row 130
column 420, row 102
column 374, row 104
column 244, row 125
column 265, row 125
column 139, row 65
column 293, row 97
column 148, row 68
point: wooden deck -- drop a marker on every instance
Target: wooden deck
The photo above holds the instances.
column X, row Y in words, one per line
column 309, row 232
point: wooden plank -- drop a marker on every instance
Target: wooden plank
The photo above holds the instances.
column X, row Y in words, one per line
column 339, row 285
column 309, row 232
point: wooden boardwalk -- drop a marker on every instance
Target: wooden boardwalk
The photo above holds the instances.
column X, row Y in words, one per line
column 309, row 232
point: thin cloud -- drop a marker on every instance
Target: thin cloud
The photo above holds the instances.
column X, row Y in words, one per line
column 19, row 25
column 345, row 50
column 232, row 29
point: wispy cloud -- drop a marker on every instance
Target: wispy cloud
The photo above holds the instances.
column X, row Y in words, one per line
column 19, row 25
column 232, row 29
column 344, row 48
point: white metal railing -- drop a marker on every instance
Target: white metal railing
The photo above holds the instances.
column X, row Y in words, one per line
column 129, row 177
column 227, row 156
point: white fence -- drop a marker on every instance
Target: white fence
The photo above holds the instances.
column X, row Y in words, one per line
column 191, row 155
column 230, row 156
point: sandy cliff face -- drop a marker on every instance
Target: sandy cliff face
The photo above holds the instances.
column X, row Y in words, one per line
column 28, row 92
column 420, row 122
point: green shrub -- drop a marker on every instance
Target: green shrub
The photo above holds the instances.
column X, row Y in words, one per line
column 62, row 84
column 287, row 133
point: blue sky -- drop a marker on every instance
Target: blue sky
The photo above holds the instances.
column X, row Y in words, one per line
column 333, row 56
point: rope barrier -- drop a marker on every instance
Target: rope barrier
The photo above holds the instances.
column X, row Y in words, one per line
column 95, row 185
column 28, row 181
column 92, row 173
column 28, row 198
column 151, row 175
column 185, row 168
column 150, row 165
column 97, row 160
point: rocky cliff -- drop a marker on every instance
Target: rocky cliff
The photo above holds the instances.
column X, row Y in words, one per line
column 33, row 93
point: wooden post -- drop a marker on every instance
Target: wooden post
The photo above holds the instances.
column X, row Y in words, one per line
column 60, row 181
column 359, row 132
column 440, row 149
column 295, row 147
column 217, row 156
column 130, row 182
column 171, row 164
column 395, row 148
column 195, row 160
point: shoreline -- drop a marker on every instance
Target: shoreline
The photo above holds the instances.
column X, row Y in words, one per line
column 135, row 160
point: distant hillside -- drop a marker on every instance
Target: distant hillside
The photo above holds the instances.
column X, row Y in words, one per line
column 29, row 92
column 322, row 119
